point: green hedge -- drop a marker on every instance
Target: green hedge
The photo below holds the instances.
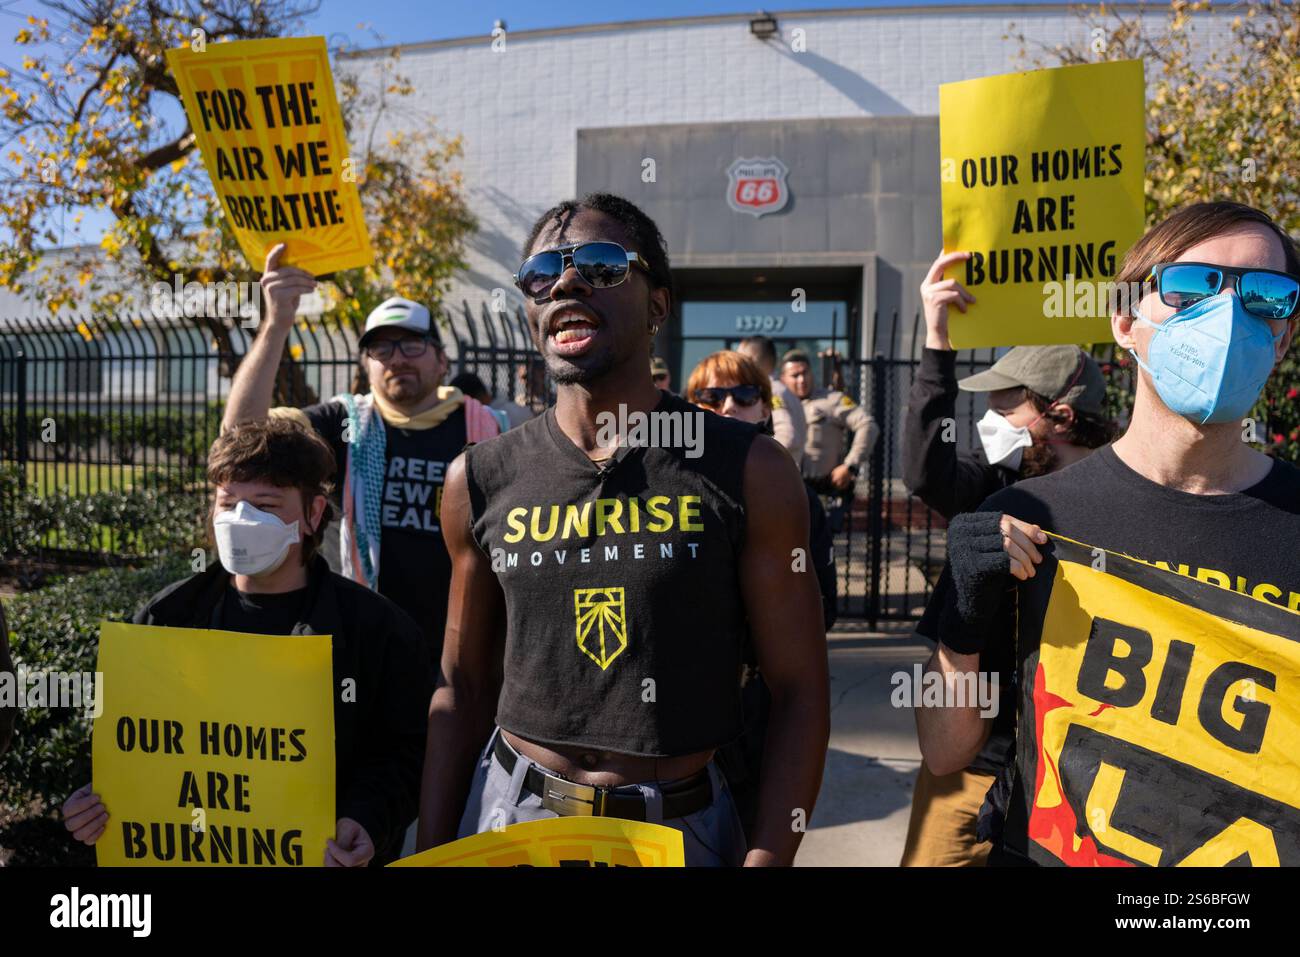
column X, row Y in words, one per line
column 77, row 433
column 57, row 629
column 158, row 516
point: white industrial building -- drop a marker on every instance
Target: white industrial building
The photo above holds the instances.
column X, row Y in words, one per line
column 846, row 101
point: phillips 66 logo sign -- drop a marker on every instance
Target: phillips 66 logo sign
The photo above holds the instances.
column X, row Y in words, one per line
column 757, row 186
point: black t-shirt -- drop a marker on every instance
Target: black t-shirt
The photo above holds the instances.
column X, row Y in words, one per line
column 625, row 620
column 951, row 482
column 414, row 567
column 257, row 613
column 1245, row 542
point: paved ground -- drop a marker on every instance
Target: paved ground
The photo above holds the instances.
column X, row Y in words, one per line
column 861, row 816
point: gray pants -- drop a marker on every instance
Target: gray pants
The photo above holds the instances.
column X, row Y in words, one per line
column 711, row 837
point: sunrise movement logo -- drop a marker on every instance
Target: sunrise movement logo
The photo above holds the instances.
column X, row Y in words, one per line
column 601, row 623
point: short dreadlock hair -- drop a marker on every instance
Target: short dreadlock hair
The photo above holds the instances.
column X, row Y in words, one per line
column 640, row 227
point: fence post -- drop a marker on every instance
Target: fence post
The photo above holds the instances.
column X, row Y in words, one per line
column 20, row 383
column 876, row 490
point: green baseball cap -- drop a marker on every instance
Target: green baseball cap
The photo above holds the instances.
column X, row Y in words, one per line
column 1060, row 373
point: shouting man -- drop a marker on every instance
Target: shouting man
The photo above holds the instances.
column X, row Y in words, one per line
column 602, row 589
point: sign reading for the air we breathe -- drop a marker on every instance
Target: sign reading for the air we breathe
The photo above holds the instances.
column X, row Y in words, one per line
column 271, row 134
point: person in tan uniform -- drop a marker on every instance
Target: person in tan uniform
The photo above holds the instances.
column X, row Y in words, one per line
column 788, row 426
column 830, row 414
column 661, row 375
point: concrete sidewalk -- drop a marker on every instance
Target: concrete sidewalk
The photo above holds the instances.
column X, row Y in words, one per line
column 861, row 815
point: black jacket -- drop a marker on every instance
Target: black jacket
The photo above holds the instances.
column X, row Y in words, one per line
column 948, row 481
column 952, row 482
column 379, row 735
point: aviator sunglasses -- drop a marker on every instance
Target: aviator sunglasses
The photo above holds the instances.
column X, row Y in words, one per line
column 600, row 264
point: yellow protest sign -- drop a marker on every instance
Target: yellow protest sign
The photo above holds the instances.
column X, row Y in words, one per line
column 560, row 842
column 1042, row 182
column 1164, row 720
column 269, row 128
column 214, row 747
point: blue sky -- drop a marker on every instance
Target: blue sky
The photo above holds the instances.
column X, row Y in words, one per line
column 407, row 22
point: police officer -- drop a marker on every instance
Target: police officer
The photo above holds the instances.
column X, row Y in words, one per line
column 661, row 374
column 788, row 425
column 829, row 413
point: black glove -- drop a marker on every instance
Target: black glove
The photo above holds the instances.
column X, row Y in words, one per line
column 981, row 569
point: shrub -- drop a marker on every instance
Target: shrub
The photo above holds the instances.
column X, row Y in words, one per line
column 57, row 629
column 78, row 432
column 161, row 515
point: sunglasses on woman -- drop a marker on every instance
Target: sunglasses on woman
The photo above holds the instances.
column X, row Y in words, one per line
column 1264, row 292
column 742, row 395
column 600, row 264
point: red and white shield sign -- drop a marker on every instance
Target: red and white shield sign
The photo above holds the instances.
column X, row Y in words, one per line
column 757, row 186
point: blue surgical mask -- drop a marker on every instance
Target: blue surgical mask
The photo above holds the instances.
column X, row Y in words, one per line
column 1209, row 362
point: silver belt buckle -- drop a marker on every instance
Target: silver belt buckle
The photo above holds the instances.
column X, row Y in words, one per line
column 569, row 798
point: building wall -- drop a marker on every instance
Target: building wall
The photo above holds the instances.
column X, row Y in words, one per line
column 523, row 113
column 520, row 111
column 862, row 194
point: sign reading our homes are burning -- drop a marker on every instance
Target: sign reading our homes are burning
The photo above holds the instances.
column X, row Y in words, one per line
column 269, row 128
column 1160, row 715
column 214, row 748
column 1042, row 183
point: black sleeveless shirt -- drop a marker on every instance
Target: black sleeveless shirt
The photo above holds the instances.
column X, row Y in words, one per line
column 625, row 621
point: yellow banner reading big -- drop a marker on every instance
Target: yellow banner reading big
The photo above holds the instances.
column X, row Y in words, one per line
column 560, row 842
column 214, row 748
column 269, row 128
column 1042, row 182
column 1164, row 719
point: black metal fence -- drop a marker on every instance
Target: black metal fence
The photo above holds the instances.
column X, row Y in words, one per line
column 891, row 546
column 125, row 404
column 98, row 404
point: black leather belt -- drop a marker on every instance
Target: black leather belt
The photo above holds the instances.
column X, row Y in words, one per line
column 566, row 797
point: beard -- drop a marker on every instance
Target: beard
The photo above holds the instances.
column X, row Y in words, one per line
column 413, row 388
column 593, row 367
column 1038, row 459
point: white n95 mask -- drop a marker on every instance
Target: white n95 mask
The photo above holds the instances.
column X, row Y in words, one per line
column 250, row 541
column 1004, row 443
